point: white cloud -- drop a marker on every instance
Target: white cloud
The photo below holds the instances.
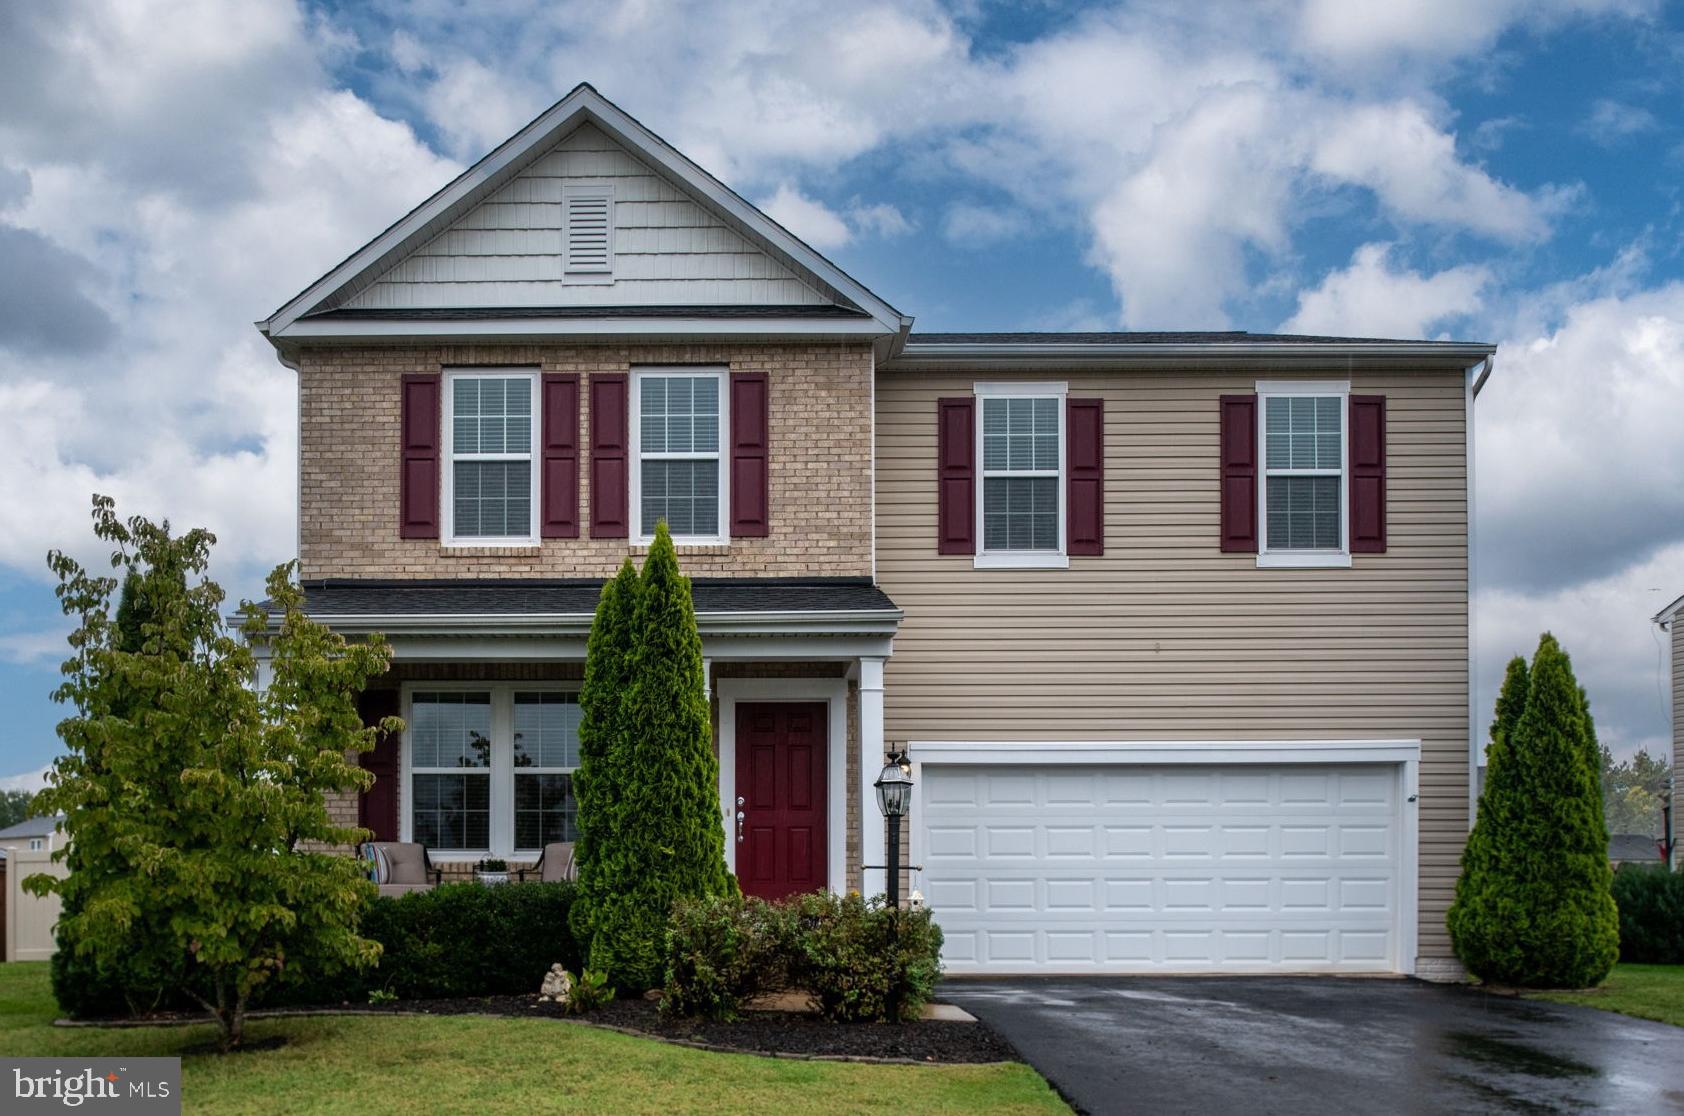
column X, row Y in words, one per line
column 811, row 220
column 980, row 226
column 1610, row 122
column 1579, row 452
column 1370, row 32
column 880, row 220
column 1411, row 164
column 36, row 646
column 30, row 781
column 1371, row 298
column 1603, row 622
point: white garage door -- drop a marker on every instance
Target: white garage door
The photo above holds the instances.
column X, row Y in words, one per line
column 1120, row 868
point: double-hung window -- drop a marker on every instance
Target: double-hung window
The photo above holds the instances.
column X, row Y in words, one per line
column 489, row 495
column 1303, row 493
column 489, row 768
column 1020, row 500
column 678, row 427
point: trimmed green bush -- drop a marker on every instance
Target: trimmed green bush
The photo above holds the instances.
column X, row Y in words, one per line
column 722, row 952
column 1650, row 899
column 1533, row 906
column 858, row 961
column 459, row 939
column 668, row 839
column 603, row 746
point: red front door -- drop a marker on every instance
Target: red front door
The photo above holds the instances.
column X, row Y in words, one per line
column 781, row 783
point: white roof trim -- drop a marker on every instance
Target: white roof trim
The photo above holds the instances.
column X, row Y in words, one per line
column 1665, row 615
column 803, row 622
column 931, row 354
column 582, row 104
column 398, row 329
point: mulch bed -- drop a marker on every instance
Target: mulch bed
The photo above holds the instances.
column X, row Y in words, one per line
column 778, row 1033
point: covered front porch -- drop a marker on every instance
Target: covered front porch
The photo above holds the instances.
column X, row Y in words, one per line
column 486, row 676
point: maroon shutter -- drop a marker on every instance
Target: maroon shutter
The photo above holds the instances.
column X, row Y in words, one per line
column 1084, row 452
column 418, row 476
column 609, row 456
column 559, row 482
column 1368, row 474
column 750, row 513
column 377, row 809
column 1239, row 474
column 956, row 475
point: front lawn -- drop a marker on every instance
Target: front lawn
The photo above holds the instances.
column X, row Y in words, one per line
column 410, row 1064
column 1646, row 991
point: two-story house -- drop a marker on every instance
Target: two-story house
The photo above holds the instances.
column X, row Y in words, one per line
column 1172, row 627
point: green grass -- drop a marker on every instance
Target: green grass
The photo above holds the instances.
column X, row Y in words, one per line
column 482, row 1064
column 1646, row 991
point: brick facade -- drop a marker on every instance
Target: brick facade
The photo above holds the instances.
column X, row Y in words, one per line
column 820, row 462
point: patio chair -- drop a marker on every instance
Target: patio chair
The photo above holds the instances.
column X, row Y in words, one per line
column 399, row 867
column 555, row 862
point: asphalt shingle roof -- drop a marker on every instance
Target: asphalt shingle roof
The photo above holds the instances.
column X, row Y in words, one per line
column 39, row 826
column 1236, row 337
column 578, row 596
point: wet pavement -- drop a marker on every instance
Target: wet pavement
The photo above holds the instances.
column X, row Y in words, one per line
column 1309, row 1045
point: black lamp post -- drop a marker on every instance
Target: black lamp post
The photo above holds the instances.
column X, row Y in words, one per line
column 894, row 795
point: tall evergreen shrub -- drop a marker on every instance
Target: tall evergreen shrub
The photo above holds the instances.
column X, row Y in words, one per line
column 602, row 741
column 669, row 841
column 1533, row 906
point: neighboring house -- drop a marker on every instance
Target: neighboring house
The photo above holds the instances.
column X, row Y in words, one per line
column 1667, row 619
column 1174, row 627
column 1633, row 848
column 35, row 834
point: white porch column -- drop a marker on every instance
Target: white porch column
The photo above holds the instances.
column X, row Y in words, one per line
column 707, row 678
column 873, row 846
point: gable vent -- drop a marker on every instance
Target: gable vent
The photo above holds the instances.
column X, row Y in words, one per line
column 590, row 230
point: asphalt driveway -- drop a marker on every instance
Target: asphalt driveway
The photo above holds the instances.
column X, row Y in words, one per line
column 1306, row 1045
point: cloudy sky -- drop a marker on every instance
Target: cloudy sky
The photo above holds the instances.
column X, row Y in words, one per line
column 1479, row 169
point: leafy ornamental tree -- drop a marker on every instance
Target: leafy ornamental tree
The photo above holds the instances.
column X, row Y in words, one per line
column 1632, row 793
column 664, row 839
column 602, row 742
column 15, row 807
column 194, row 803
column 1533, row 906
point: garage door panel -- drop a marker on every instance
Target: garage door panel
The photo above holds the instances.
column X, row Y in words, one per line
column 1171, row 869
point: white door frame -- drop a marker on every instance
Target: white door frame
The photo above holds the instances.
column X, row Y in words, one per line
column 1405, row 755
column 834, row 693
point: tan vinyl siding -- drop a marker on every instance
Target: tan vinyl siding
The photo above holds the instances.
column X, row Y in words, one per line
column 1164, row 637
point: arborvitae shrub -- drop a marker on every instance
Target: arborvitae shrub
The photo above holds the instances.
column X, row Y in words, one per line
column 1533, row 906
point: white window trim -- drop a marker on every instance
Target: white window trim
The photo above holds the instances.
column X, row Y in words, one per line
column 1284, row 559
column 447, row 483
column 986, row 559
column 579, row 276
column 501, row 771
column 722, row 536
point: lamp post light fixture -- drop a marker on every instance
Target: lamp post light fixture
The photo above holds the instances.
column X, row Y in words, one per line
column 894, row 796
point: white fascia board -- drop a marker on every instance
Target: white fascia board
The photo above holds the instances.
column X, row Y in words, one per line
column 389, row 330
column 1666, row 615
column 581, row 105
column 1063, row 752
column 915, row 355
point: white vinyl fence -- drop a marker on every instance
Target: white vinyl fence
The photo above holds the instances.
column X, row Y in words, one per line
column 29, row 918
